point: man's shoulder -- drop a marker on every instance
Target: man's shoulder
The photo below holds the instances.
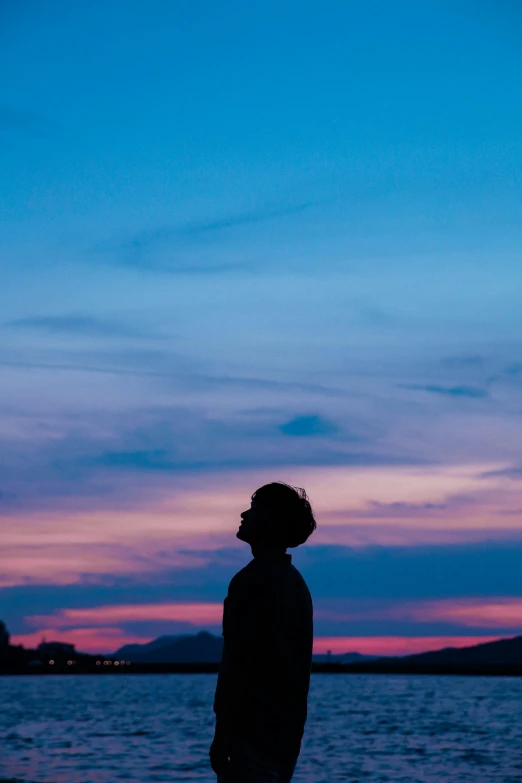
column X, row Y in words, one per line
column 297, row 576
column 244, row 575
column 257, row 571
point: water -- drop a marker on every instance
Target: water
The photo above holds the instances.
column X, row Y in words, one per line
column 361, row 728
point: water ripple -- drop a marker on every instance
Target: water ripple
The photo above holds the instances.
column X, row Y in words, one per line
column 363, row 729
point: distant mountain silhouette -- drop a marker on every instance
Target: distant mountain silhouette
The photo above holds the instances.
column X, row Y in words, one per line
column 202, row 647
column 205, row 647
column 504, row 651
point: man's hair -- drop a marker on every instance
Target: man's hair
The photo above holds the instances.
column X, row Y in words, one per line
column 290, row 510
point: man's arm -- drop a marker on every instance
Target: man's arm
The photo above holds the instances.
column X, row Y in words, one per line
column 239, row 623
column 238, row 626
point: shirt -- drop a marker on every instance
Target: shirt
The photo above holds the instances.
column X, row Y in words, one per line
column 264, row 676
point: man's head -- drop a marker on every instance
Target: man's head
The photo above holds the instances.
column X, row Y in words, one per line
column 280, row 516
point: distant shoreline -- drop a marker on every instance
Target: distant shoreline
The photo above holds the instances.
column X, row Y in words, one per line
column 389, row 666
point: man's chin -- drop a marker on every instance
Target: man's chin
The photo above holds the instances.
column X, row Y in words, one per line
column 241, row 535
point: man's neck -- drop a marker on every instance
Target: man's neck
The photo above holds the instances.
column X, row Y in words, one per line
column 267, row 551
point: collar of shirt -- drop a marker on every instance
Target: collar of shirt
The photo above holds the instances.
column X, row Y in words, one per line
column 275, row 557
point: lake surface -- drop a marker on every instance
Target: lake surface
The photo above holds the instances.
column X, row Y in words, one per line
column 361, row 728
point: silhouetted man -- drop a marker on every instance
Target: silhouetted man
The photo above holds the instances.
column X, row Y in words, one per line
column 262, row 688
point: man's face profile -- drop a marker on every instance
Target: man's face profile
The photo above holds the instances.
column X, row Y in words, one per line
column 253, row 522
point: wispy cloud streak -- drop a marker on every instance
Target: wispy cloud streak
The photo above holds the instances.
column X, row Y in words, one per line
column 77, row 325
column 448, row 391
column 140, row 249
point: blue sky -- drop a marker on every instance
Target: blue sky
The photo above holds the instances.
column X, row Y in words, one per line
column 255, row 241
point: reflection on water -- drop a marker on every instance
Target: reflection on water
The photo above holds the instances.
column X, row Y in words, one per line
column 371, row 728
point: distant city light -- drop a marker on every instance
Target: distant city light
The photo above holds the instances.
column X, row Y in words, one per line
column 51, row 662
column 69, row 663
column 98, row 663
column 128, row 663
column 116, row 663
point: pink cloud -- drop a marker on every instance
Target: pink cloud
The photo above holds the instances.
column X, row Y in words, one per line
column 193, row 612
column 360, row 534
column 505, row 612
column 355, row 506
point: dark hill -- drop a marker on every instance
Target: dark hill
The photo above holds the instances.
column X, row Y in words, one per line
column 203, row 647
column 504, row 651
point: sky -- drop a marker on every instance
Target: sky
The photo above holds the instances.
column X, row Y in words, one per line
column 253, row 242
